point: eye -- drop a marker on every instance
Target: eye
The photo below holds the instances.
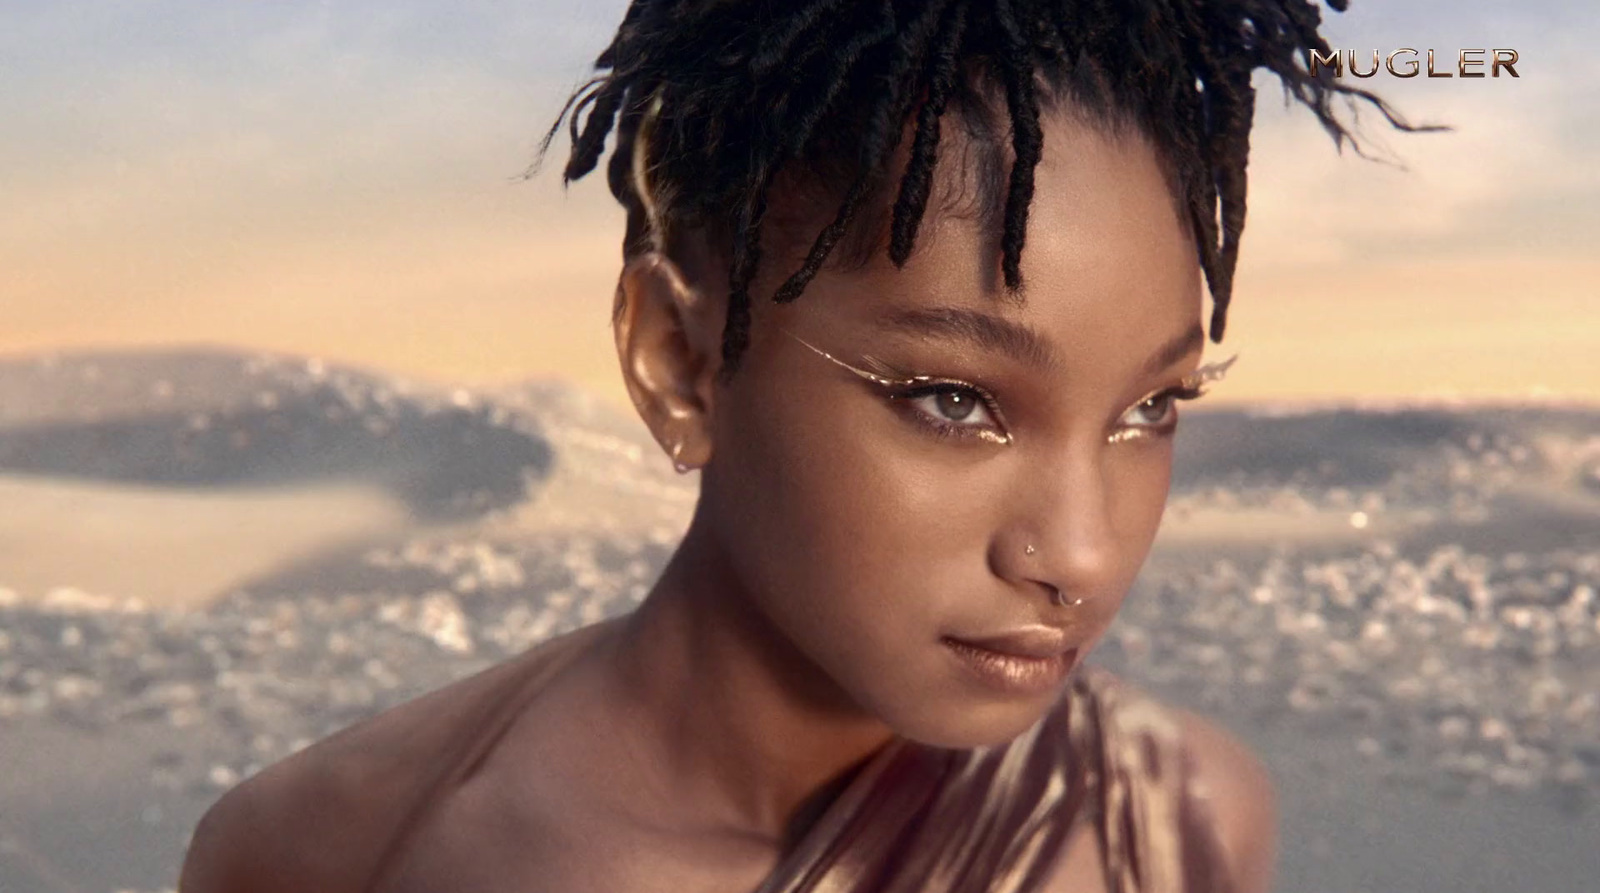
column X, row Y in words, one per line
column 954, row 408
column 1155, row 415
column 946, row 407
column 952, row 403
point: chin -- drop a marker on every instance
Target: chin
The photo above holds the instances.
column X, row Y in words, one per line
column 967, row 725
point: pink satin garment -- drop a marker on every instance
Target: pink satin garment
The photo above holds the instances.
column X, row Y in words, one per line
column 994, row 820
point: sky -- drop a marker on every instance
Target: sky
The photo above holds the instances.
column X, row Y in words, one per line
column 343, row 180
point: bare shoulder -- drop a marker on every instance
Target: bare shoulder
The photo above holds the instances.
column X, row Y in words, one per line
column 320, row 819
column 1235, row 789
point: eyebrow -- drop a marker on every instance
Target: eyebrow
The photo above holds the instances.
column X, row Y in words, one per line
column 983, row 329
column 1017, row 339
column 1176, row 349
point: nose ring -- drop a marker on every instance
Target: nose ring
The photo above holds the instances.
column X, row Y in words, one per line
column 1056, row 595
column 1060, row 598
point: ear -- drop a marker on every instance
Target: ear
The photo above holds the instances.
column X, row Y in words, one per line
column 669, row 342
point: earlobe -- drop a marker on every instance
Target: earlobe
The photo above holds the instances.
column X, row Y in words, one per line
column 667, row 343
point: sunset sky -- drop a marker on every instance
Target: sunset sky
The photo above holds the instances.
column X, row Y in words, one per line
column 340, row 180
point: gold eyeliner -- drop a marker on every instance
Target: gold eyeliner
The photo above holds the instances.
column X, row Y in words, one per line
column 1210, row 372
column 998, row 437
column 869, row 376
column 1191, row 387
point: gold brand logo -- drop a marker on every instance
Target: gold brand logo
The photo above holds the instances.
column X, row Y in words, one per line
column 1406, row 62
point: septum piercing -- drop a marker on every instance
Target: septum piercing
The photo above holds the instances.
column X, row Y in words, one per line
column 1060, row 598
column 1056, row 595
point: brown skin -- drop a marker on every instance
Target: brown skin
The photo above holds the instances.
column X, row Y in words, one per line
column 837, row 540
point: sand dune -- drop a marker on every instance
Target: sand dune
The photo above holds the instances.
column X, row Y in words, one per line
column 170, row 547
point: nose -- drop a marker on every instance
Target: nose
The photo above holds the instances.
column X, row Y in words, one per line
column 1066, row 516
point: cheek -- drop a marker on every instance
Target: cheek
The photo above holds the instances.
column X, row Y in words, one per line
column 1140, row 483
column 834, row 510
column 847, row 537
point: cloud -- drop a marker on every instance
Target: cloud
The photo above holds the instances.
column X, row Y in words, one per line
column 340, row 175
column 195, row 131
column 1515, row 176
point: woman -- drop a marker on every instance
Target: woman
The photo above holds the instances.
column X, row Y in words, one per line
column 926, row 487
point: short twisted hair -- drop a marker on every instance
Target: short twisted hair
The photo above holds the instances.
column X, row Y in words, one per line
column 733, row 92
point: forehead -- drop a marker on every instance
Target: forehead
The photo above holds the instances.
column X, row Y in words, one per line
column 1107, row 258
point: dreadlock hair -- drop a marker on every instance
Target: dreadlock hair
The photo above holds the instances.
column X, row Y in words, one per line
column 733, row 92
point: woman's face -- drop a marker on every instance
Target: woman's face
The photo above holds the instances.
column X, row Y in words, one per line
column 872, row 523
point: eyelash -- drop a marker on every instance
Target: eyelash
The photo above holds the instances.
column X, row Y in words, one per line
column 945, row 429
column 899, row 387
column 1173, row 395
column 941, row 428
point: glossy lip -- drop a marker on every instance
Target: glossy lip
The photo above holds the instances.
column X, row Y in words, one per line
column 1038, row 642
column 1027, row 661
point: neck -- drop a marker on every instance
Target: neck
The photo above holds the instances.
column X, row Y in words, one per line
column 749, row 735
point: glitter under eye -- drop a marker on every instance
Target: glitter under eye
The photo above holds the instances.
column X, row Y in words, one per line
column 944, row 423
column 1192, row 387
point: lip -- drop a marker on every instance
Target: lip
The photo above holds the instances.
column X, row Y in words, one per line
column 1022, row 662
column 1038, row 642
